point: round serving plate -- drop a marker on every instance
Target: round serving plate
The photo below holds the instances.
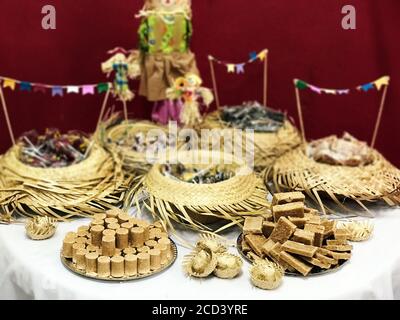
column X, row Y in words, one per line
column 315, row 272
column 71, row 266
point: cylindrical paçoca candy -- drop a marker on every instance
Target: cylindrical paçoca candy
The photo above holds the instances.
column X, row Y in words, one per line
column 91, row 262
column 75, row 248
column 80, row 259
column 131, row 265
column 155, row 259
column 97, row 235
column 108, row 246
column 122, row 238
column 104, row 266
column 67, row 247
column 143, row 263
column 137, row 237
column 117, row 267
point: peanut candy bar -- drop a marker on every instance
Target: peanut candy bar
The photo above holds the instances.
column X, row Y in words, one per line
column 295, row 209
column 267, row 228
column 303, row 236
column 317, row 263
column 300, row 266
column 245, row 247
column 287, row 197
column 342, row 248
column 337, row 242
column 253, row 225
column 256, row 242
column 267, row 247
column 299, row 222
column 283, row 231
column 299, row 249
column 341, row 234
column 275, row 255
column 318, row 233
column 325, row 259
column 341, row 255
column 330, row 227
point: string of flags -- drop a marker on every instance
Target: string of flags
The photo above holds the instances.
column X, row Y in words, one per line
column 239, row 68
column 377, row 84
column 55, row 90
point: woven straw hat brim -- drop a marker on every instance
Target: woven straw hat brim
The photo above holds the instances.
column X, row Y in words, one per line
column 378, row 181
column 81, row 189
column 267, row 146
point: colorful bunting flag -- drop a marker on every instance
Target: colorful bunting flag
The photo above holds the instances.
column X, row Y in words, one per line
column 73, row 89
column 384, row 81
column 9, row 83
column 231, row 68
column 262, row 55
column 88, row 89
column 57, row 91
column 102, row 87
column 253, row 56
column 240, row 68
column 39, row 88
column 25, row 86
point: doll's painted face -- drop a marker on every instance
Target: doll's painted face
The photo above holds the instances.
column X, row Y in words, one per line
column 170, row 5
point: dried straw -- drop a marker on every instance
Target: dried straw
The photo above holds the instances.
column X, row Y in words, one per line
column 81, row 189
column 375, row 182
column 195, row 205
column 267, row 146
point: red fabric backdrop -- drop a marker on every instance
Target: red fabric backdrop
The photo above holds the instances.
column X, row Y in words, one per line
column 304, row 37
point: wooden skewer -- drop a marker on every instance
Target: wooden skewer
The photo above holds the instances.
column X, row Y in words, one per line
column 125, row 110
column 214, row 81
column 266, row 79
column 3, row 102
column 300, row 112
column 379, row 118
column 103, row 107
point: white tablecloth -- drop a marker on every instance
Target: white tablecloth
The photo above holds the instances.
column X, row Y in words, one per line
column 33, row 270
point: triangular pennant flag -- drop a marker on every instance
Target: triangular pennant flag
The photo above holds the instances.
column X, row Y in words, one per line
column 88, row 89
column 253, row 56
column 367, row 87
column 315, row 89
column 102, row 87
column 301, row 85
column 240, row 68
column 72, row 89
column 329, row 91
column 9, row 83
column 25, row 86
column 341, row 92
column 384, row 81
column 231, row 68
column 57, row 91
column 39, row 88
column 262, row 55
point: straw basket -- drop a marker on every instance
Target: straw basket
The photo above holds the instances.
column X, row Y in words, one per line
column 82, row 189
column 375, row 182
column 195, row 205
column 267, row 146
column 133, row 162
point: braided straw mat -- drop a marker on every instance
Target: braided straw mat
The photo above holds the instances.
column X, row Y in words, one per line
column 196, row 205
column 83, row 189
column 375, row 182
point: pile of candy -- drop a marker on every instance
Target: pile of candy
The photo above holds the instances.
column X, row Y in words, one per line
column 53, row 149
column 253, row 116
column 210, row 175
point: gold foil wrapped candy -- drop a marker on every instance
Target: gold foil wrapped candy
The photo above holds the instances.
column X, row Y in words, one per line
column 358, row 230
column 41, row 228
column 266, row 275
column 200, row 264
column 228, row 266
